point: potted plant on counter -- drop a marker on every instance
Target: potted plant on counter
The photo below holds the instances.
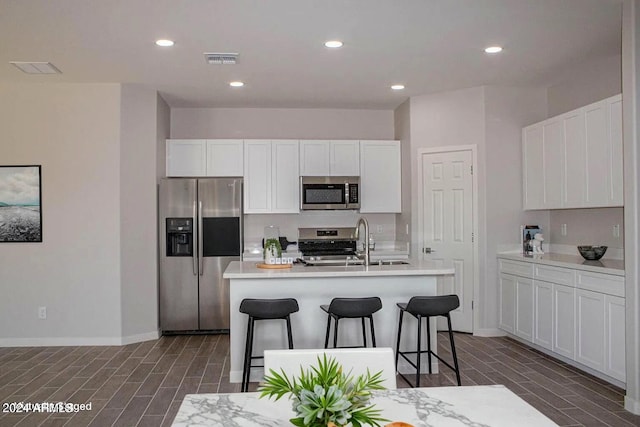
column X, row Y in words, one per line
column 324, row 396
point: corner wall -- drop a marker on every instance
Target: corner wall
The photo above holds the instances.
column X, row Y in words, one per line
column 72, row 130
column 138, row 213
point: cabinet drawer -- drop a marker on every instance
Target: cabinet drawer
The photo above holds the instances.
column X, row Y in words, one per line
column 598, row 282
column 524, row 269
column 559, row 275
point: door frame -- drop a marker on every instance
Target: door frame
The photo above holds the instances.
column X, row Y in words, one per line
column 474, row 185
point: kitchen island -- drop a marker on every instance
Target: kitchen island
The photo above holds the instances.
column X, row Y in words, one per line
column 314, row 286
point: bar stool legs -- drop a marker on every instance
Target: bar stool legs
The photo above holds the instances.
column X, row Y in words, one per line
column 351, row 308
column 263, row 309
column 427, row 307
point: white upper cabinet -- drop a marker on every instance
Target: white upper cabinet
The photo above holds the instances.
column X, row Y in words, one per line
column 204, row 157
column 186, row 157
column 329, row 158
column 271, row 176
column 225, row 157
column 380, row 177
column 575, row 160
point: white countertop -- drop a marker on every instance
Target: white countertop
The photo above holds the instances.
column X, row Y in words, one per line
column 490, row 405
column 606, row 266
column 248, row 270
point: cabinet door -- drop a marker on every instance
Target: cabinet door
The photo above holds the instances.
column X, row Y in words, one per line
column 225, row 157
column 553, row 176
column 507, row 319
column 543, row 316
column 285, row 188
column 314, row 158
column 533, row 167
column 524, row 308
column 344, row 158
column 380, row 178
column 564, row 321
column 575, row 163
column 186, row 157
column 616, row 192
column 590, row 329
column 257, row 176
column 615, row 330
column 597, row 154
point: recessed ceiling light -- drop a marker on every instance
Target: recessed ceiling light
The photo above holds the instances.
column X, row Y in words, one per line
column 493, row 49
column 333, row 44
column 397, row 87
column 164, row 43
column 236, row 84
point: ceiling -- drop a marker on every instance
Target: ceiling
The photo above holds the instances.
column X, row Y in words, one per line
column 427, row 45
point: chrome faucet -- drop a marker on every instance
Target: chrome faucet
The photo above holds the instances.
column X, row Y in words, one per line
column 363, row 220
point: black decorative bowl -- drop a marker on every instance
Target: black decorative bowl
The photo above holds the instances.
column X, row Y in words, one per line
column 592, row 253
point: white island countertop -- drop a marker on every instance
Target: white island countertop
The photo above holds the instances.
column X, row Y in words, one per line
column 606, row 266
column 249, row 270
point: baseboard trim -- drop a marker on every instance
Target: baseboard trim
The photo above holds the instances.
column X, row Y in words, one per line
column 489, row 332
column 148, row 336
column 632, row 405
column 77, row 341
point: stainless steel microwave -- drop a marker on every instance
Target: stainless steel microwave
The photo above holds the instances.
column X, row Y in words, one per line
column 329, row 192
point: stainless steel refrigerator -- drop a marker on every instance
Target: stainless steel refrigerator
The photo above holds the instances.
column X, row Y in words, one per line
column 201, row 232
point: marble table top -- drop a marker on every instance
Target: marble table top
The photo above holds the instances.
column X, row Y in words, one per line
column 476, row 406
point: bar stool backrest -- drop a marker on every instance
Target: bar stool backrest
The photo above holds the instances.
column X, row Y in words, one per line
column 433, row 305
column 356, row 360
column 268, row 308
column 355, row 307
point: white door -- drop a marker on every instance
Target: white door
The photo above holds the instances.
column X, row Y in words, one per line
column 447, row 225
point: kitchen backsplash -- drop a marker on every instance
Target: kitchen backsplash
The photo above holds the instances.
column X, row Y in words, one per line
column 588, row 227
column 382, row 226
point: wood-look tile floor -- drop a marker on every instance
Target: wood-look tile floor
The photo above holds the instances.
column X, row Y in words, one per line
column 144, row 384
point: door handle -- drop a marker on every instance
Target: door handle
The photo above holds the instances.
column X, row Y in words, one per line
column 427, row 250
column 200, row 235
column 193, row 253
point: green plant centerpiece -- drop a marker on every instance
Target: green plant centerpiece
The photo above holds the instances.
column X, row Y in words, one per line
column 324, row 395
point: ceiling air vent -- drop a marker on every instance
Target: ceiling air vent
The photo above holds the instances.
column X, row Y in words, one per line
column 36, row 67
column 221, row 58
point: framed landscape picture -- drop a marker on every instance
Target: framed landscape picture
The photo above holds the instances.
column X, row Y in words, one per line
column 20, row 204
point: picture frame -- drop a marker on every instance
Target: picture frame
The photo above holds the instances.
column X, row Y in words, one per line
column 20, row 204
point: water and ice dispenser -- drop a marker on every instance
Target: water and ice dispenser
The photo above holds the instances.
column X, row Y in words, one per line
column 179, row 237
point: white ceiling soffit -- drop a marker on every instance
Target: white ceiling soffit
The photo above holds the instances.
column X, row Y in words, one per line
column 427, row 45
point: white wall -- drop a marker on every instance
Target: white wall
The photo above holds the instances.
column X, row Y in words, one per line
column 281, row 123
column 402, row 125
column 585, row 83
column 72, row 130
column 138, row 213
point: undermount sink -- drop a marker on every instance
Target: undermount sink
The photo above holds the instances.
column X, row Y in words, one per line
column 392, row 262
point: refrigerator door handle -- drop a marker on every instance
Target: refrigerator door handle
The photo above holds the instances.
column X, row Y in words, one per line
column 200, row 237
column 194, row 256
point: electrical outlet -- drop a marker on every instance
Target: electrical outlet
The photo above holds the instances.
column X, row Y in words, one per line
column 563, row 229
column 380, row 229
column 42, row 312
column 406, row 231
column 616, row 230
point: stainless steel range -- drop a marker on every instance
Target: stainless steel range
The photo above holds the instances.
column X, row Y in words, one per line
column 328, row 246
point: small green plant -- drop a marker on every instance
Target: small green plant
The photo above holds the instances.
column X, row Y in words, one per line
column 324, row 396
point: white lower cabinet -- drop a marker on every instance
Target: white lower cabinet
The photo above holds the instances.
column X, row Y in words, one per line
column 590, row 339
column 614, row 318
column 508, row 302
column 577, row 314
column 543, row 314
column 564, row 320
column 524, row 308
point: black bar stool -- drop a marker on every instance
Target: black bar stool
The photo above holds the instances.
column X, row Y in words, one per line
column 351, row 308
column 428, row 307
column 263, row 309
